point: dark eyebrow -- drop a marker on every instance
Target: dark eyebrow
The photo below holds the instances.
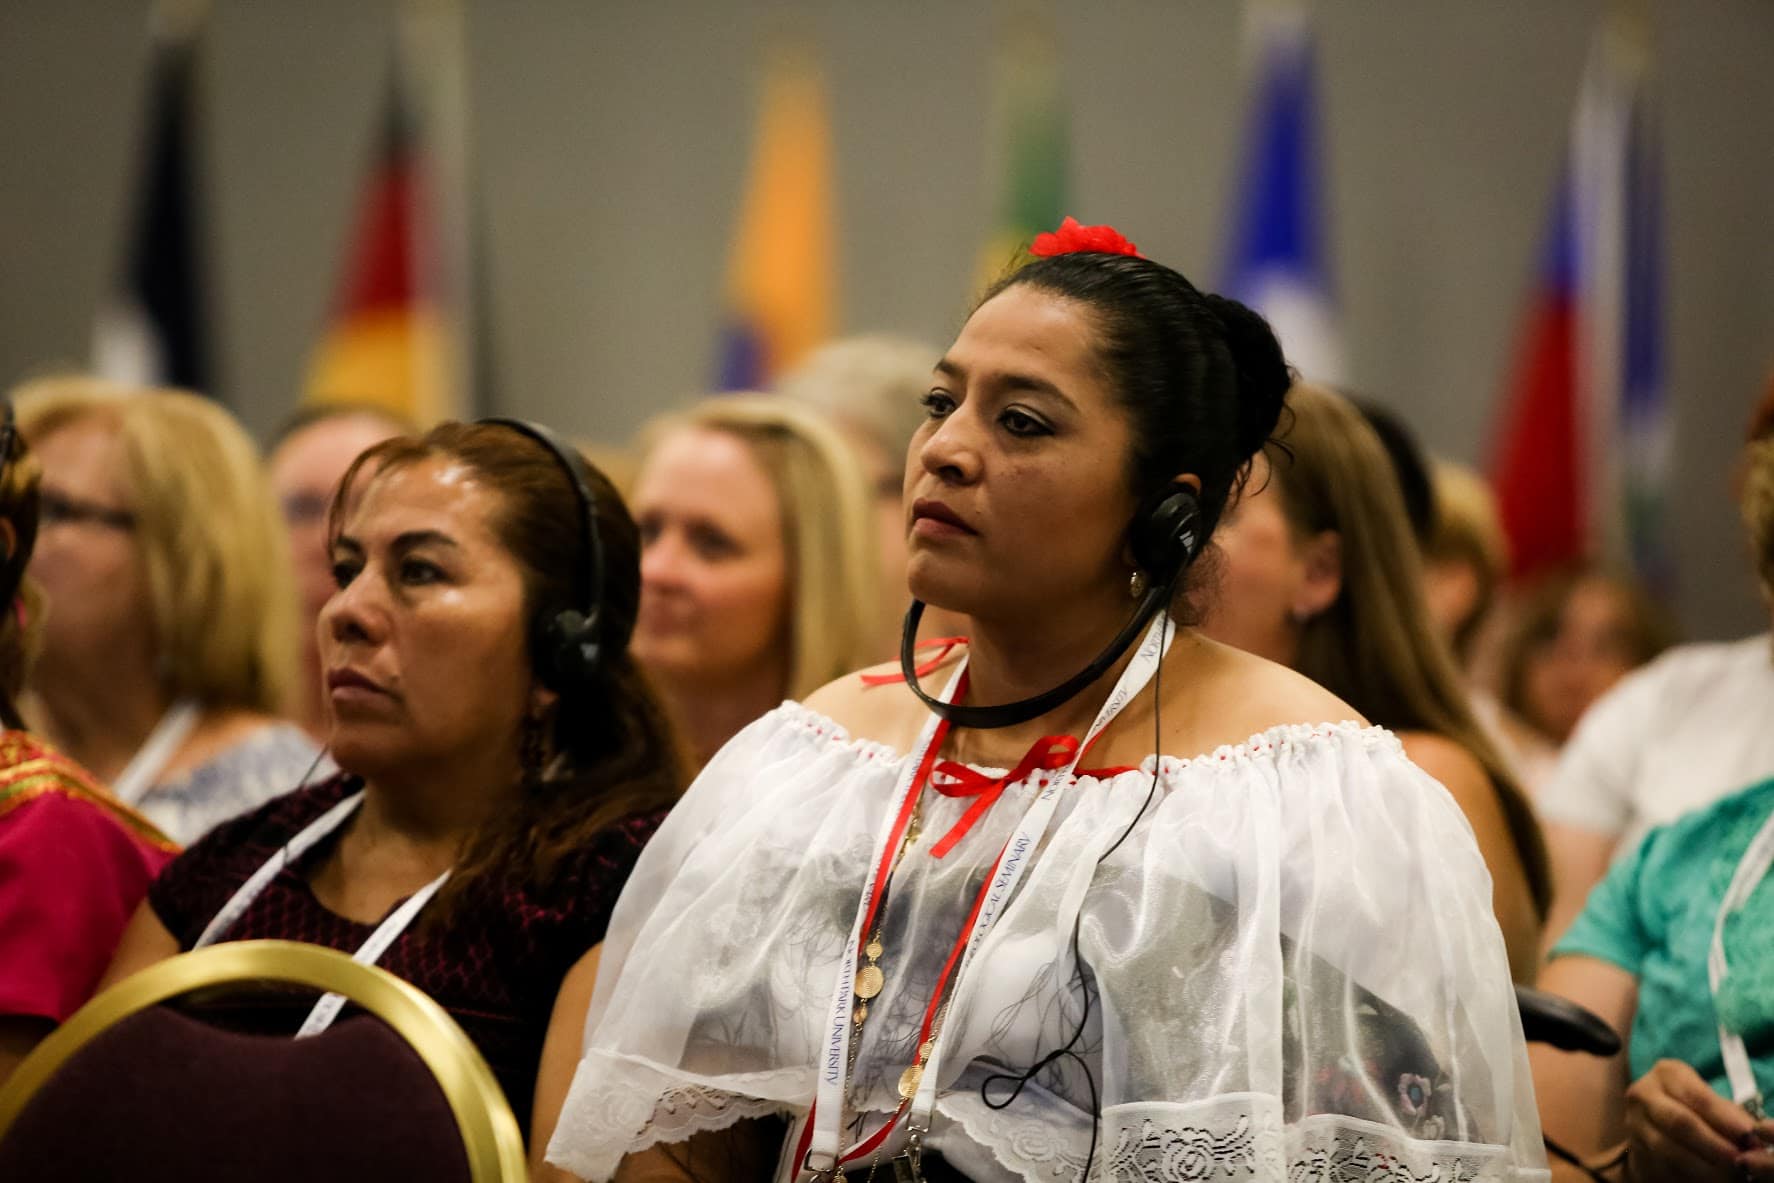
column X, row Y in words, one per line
column 1026, row 382
column 1035, row 386
column 413, row 539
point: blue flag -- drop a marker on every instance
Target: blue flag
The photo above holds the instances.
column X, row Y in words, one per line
column 1279, row 262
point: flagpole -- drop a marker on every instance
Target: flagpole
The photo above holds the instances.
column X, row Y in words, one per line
column 432, row 56
column 1028, row 151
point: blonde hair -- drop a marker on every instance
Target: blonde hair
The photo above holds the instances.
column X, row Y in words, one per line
column 220, row 586
column 828, row 534
column 1374, row 647
column 1757, row 505
column 873, row 383
column 1467, row 529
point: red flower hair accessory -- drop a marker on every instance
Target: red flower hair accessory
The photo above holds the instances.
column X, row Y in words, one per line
column 1071, row 238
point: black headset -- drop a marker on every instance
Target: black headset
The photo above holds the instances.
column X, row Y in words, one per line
column 565, row 646
column 1165, row 537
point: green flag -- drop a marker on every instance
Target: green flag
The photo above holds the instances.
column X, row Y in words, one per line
column 1028, row 155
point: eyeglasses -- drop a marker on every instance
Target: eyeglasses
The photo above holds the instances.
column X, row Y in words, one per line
column 306, row 509
column 55, row 509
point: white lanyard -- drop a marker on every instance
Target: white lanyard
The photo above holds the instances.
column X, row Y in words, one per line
column 1751, row 870
column 327, row 1009
column 150, row 760
column 824, row 1147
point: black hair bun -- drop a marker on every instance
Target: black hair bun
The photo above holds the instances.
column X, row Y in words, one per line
column 1263, row 376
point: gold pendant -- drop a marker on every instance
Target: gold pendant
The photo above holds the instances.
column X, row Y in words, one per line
column 860, row 1016
column 869, row 980
column 873, row 950
column 905, row 1169
column 909, row 1080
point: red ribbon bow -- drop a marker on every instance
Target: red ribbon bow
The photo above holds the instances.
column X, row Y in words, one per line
column 1050, row 753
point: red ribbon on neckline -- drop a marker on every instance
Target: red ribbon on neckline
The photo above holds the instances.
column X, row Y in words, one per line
column 1050, row 753
column 924, row 668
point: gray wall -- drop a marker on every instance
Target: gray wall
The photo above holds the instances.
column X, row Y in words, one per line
column 608, row 142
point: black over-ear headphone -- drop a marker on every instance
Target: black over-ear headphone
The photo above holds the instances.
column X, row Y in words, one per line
column 1165, row 537
column 565, row 647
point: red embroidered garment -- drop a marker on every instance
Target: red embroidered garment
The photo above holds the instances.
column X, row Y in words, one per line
column 74, row 864
column 496, row 967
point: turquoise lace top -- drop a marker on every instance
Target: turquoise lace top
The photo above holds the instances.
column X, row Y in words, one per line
column 1653, row 916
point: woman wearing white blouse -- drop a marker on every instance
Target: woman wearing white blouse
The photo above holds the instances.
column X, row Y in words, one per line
column 861, row 946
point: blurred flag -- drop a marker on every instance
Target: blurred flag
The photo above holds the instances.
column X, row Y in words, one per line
column 149, row 329
column 387, row 343
column 779, row 276
column 1538, row 455
column 1030, row 153
column 1279, row 264
column 1581, row 454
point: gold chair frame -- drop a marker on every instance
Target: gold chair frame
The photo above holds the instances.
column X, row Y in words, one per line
column 490, row 1137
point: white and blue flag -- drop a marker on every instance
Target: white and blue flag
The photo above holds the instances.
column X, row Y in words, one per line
column 1279, row 262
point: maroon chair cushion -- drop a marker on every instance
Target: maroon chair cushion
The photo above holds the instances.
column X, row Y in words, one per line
column 162, row 1096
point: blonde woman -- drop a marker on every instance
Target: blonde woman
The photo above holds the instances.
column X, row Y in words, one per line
column 1464, row 560
column 1464, row 563
column 74, row 862
column 759, row 581
column 1321, row 573
column 873, row 388
column 169, row 635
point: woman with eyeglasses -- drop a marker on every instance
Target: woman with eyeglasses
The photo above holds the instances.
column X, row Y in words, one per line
column 74, row 861
column 169, row 638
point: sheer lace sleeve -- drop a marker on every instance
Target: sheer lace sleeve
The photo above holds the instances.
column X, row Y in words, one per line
column 1289, row 969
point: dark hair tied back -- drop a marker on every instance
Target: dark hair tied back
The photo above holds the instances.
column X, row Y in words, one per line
column 1201, row 376
column 1263, row 378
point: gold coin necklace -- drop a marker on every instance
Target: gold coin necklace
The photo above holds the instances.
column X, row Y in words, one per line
column 871, row 979
column 913, row 1076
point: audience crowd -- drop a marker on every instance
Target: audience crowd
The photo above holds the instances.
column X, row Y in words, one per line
column 1087, row 747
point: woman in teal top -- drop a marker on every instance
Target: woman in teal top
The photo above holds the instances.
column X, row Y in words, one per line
column 1638, row 955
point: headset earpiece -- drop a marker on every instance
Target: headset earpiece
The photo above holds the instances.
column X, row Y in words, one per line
column 1166, row 536
column 566, row 645
column 568, row 652
column 1164, row 539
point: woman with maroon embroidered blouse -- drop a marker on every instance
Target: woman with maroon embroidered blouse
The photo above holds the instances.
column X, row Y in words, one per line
column 503, row 760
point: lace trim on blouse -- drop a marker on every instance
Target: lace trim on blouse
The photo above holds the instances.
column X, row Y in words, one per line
column 1261, row 746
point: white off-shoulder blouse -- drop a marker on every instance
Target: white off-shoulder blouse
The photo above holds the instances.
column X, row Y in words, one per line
column 1290, row 963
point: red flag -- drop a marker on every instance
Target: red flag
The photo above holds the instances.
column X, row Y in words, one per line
column 386, row 343
column 1582, row 455
column 1539, row 460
